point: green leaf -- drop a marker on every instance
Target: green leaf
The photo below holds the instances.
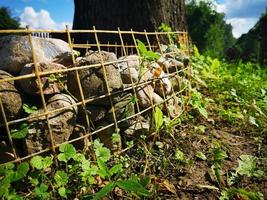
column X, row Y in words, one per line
column 247, row 165
column 68, row 152
column 21, row 132
column 203, row 112
column 41, row 192
column 219, row 155
column 104, row 191
column 152, row 55
column 179, row 155
column 201, row 155
column 28, row 109
column 115, row 169
column 158, row 115
column 103, row 170
column 61, row 178
column 141, row 47
column 132, row 186
column 62, row 192
column 21, row 172
column 79, row 157
column 39, row 162
column 102, row 153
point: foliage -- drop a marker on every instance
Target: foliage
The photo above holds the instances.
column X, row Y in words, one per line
column 21, row 132
column 165, row 28
column 146, row 54
column 208, row 28
column 74, row 169
column 247, row 47
column 238, row 89
column 234, row 193
column 6, row 20
column 218, row 157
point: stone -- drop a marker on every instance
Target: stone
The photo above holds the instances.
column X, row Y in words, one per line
column 10, row 97
column 129, row 76
column 106, row 136
column 62, row 124
column 173, row 107
column 93, row 80
column 157, row 99
column 65, row 58
column 174, row 65
column 79, row 131
column 15, row 51
column 95, row 113
column 145, row 92
column 129, row 69
column 123, row 109
column 139, row 128
column 51, row 84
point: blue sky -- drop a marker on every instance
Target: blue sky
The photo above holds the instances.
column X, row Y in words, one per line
column 55, row 14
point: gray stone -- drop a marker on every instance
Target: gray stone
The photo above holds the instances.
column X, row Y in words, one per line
column 15, row 51
column 139, row 128
column 95, row 113
column 129, row 69
column 122, row 110
column 93, row 80
column 145, row 92
column 61, row 123
column 65, row 58
column 10, row 97
column 49, row 85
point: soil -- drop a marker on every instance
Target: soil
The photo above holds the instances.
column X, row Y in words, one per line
column 193, row 177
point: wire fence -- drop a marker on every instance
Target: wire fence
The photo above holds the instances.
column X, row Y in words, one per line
column 113, row 81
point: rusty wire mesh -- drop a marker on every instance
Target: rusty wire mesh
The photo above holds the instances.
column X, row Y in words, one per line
column 152, row 41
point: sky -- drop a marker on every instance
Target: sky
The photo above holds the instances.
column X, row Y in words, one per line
column 55, row 14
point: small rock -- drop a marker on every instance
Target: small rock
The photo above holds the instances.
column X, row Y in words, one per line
column 139, row 128
column 61, row 123
column 51, row 84
column 15, row 51
column 10, row 97
column 157, row 99
column 129, row 69
column 145, row 92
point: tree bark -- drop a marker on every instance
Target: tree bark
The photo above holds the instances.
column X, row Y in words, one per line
column 127, row 14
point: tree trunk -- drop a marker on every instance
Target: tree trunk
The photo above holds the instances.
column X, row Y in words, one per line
column 127, row 14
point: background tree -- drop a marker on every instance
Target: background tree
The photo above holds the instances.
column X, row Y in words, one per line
column 208, row 29
column 250, row 46
column 127, row 14
column 6, row 20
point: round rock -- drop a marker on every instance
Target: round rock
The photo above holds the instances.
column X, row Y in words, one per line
column 10, row 97
column 61, row 123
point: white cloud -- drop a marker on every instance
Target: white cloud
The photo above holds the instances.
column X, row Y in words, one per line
column 241, row 25
column 241, row 14
column 40, row 20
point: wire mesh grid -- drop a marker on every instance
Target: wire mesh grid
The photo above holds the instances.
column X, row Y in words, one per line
column 154, row 85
